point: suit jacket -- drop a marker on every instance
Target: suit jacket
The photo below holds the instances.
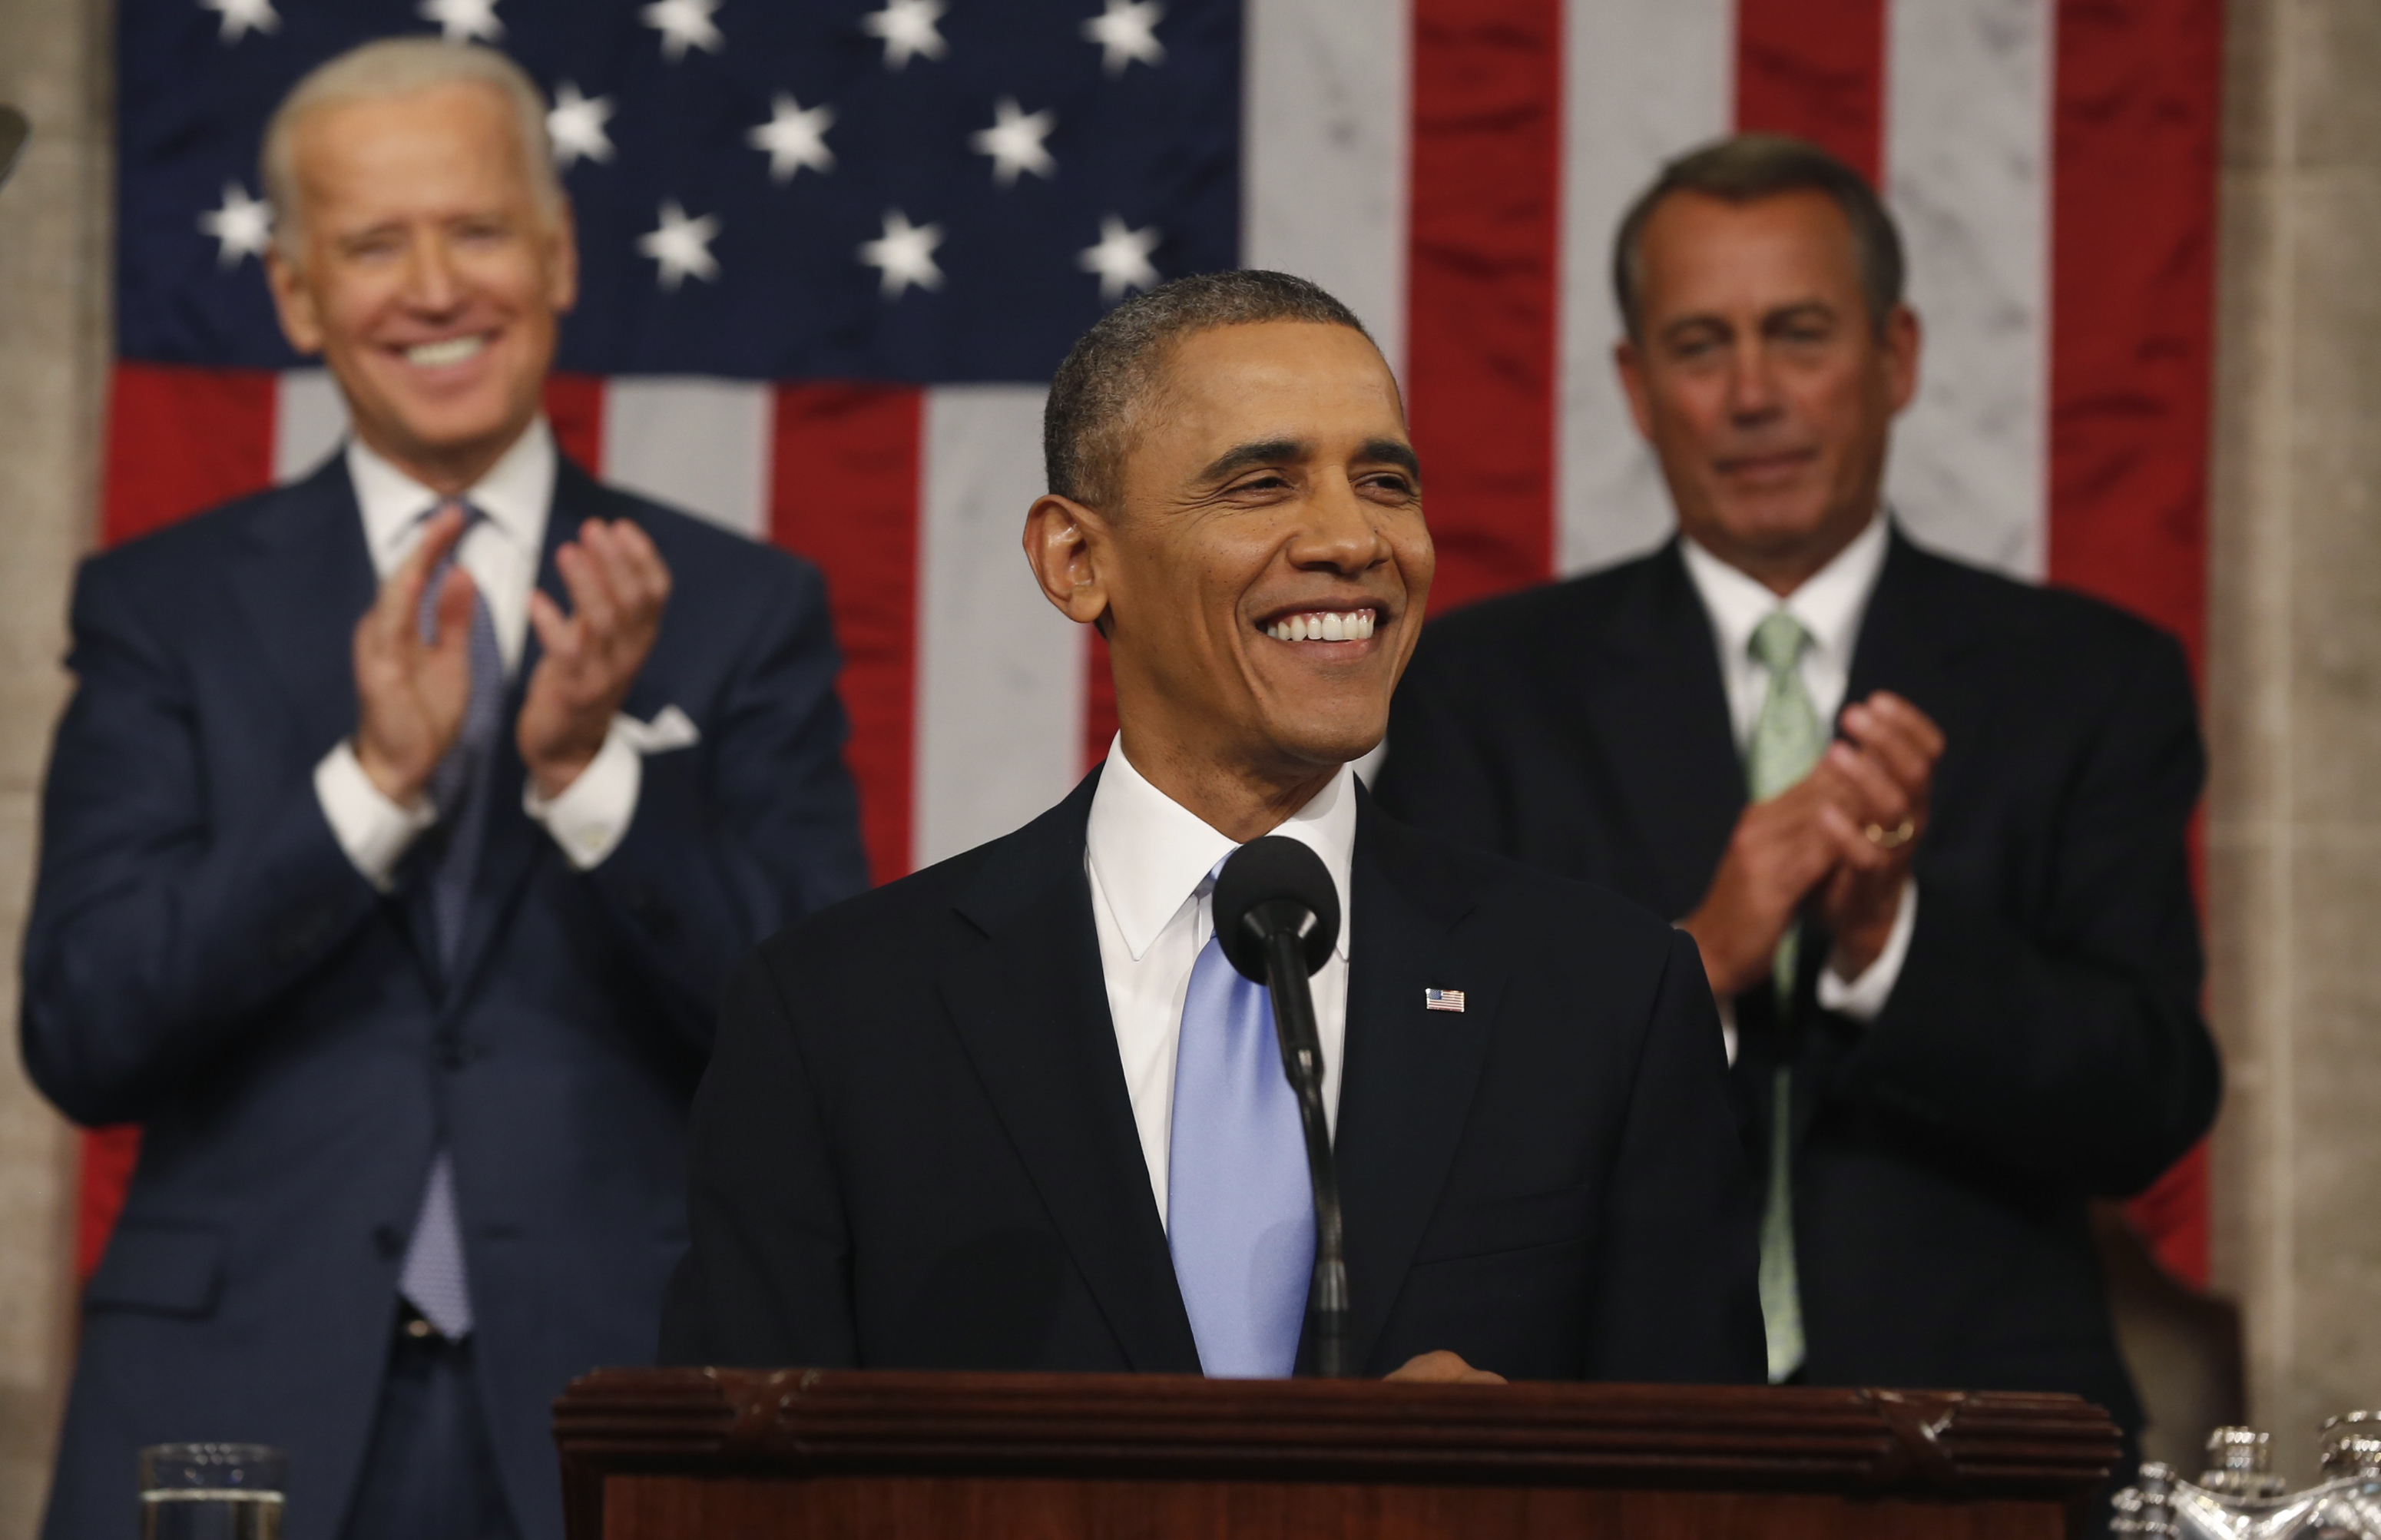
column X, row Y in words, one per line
column 204, row 961
column 914, row 1146
column 2043, row 1044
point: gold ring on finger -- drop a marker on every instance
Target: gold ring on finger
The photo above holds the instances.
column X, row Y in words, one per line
column 1884, row 838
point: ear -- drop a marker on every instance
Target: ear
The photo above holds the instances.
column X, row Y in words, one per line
column 1629, row 360
column 1903, row 336
column 562, row 261
column 1070, row 545
column 293, row 301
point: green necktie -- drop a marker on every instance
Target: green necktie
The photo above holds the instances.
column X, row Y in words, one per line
column 1786, row 743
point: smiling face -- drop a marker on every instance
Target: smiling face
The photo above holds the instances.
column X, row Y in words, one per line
column 1760, row 381
column 428, row 276
column 1263, row 570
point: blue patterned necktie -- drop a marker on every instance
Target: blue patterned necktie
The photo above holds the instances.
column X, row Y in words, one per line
column 1239, row 1211
column 434, row 1280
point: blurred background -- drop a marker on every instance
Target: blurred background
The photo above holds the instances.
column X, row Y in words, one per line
column 2136, row 233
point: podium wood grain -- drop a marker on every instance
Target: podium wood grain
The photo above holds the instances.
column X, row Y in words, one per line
column 826, row 1455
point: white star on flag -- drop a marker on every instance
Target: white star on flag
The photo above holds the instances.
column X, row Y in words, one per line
column 795, row 136
column 575, row 126
column 683, row 24
column 905, row 255
column 682, row 245
column 243, row 17
column 464, row 21
column 1127, row 33
column 907, row 28
column 1014, row 142
column 241, row 227
column 1121, row 258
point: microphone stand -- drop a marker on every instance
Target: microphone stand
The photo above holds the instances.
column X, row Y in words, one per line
column 1302, row 1059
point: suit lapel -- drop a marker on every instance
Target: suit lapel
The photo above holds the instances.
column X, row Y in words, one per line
column 304, row 580
column 1908, row 642
column 1410, row 1072
column 1659, row 710
column 1030, row 1006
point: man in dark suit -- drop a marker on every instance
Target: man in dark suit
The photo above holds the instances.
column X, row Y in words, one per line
column 1017, row 1111
column 402, row 937
column 1958, row 939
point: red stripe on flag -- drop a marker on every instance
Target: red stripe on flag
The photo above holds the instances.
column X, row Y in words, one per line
column 2135, row 127
column 1816, row 70
column 844, row 492
column 574, row 404
column 108, row 1157
column 182, row 439
column 2133, row 285
column 1484, row 244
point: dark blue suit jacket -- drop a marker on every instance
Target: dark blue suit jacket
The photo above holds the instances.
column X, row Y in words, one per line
column 915, row 1147
column 204, row 959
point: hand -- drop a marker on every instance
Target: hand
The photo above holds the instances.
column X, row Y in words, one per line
column 1781, row 850
column 1443, row 1368
column 618, row 584
column 410, row 695
column 1890, row 764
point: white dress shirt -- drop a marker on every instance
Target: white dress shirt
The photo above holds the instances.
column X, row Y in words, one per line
column 501, row 552
column 1147, row 856
column 1830, row 604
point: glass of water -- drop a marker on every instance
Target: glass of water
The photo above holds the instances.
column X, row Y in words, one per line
column 212, row 1491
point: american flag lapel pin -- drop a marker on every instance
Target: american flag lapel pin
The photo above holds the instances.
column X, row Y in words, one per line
column 1443, row 1000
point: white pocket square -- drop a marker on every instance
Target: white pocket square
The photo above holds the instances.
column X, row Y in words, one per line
column 670, row 728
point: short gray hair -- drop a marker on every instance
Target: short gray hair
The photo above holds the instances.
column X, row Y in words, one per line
column 1110, row 372
column 402, row 67
column 1745, row 169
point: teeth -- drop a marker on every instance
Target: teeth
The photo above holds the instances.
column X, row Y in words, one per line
column 438, row 355
column 1324, row 626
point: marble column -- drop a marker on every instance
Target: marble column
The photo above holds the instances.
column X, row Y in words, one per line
column 54, row 270
column 2294, row 709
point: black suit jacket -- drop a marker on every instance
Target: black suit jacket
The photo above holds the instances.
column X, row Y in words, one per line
column 2044, row 1043
column 204, row 960
column 914, row 1146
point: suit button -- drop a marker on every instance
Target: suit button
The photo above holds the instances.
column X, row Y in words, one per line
column 388, row 1240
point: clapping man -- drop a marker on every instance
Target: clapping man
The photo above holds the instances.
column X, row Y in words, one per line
column 398, row 841
column 1926, row 825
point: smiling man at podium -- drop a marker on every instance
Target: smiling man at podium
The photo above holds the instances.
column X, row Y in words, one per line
column 1017, row 1111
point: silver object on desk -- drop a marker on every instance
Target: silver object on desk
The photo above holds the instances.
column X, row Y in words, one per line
column 2239, row 1497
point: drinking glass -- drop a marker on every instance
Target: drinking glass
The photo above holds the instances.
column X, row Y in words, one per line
column 212, row 1491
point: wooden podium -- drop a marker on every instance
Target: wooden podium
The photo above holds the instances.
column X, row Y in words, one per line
column 673, row 1454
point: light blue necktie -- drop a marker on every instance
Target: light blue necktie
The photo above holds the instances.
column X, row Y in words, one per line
column 434, row 1279
column 1239, row 1211
column 1787, row 740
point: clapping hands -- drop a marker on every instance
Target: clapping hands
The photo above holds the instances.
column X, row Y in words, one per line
column 1839, row 841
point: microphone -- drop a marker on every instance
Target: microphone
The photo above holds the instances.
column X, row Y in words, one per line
column 1276, row 918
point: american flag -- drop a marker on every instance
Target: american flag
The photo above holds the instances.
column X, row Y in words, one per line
column 832, row 249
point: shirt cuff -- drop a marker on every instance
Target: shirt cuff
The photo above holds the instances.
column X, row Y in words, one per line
column 1864, row 997
column 374, row 831
column 592, row 814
